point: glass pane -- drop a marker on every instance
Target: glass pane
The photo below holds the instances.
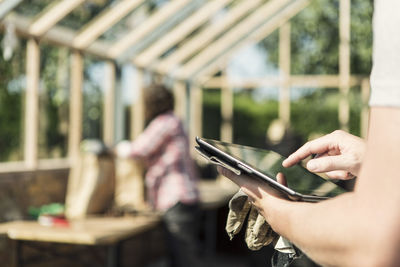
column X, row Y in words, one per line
column 53, row 101
column 93, row 95
column 12, row 92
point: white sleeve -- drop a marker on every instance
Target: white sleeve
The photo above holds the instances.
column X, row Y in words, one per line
column 385, row 76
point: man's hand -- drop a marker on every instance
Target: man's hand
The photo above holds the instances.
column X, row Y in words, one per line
column 338, row 154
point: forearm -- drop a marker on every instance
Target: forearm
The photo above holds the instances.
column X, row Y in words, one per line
column 356, row 229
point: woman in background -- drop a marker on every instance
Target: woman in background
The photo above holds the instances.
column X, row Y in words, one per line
column 170, row 178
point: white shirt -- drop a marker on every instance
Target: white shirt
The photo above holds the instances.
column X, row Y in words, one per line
column 385, row 76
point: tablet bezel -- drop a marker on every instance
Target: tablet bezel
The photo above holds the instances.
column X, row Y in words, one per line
column 219, row 157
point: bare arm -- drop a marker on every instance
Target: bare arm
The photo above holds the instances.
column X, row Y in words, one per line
column 356, row 229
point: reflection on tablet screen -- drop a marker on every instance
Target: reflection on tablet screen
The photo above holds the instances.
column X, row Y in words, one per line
column 270, row 163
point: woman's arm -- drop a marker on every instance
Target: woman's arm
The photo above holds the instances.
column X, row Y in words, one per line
column 361, row 228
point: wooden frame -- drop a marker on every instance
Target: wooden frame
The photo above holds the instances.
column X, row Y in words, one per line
column 262, row 32
column 51, row 15
column 205, row 37
column 76, row 105
column 7, row 6
column 57, row 35
column 122, row 45
column 32, row 103
column 232, row 38
column 103, row 22
column 178, row 33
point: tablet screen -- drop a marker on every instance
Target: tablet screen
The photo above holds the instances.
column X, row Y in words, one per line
column 268, row 162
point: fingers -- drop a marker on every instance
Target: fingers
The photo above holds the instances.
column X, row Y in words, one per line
column 341, row 175
column 280, row 178
column 330, row 163
column 317, row 146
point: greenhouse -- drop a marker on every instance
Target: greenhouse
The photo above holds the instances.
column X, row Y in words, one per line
column 270, row 74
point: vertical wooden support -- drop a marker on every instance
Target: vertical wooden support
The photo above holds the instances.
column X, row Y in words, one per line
column 137, row 115
column 227, row 113
column 32, row 103
column 196, row 115
column 344, row 63
column 365, row 92
column 76, row 105
column 180, row 100
column 284, row 66
column 109, row 104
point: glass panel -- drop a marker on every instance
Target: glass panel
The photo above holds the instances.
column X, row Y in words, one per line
column 93, row 95
column 12, row 92
column 53, row 101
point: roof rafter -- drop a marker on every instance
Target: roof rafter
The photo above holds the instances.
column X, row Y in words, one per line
column 57, row 35
column 235, row 35
column 151, row 24
column 179, row 33
column 264, row 31
column 51, row 15
column 205, row 36
column 7, row 6
column 103, row 22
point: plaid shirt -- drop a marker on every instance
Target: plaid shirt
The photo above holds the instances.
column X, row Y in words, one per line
column 170, row 176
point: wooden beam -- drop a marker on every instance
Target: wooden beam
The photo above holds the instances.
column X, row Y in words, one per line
column 131, row 38
column 365, row 93
column 205, row 36
column 180, row 100
column 227, row 114
column 7, row 6
column 179, row 33
column 32, row 103
column 57, row 35
column 235, row 35
column 76, row 106
column 204, row 73
column 196, row 116
column 137, row 115
column 51, row 15
column 103, row 22
column 300, row 81
column 284, row 68
column 344, row 63
column 109, row 104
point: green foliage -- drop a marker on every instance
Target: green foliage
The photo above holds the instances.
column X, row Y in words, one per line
column 314, row 114
column 11, row 106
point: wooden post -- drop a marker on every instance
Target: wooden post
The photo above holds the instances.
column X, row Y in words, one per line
column 226, row 113
column 196, row 115
column 180, row 100
column 284, row 66
column 365, row 92
column 32, row 103
column 109, row 104
column 137, row 115
column 76, row 105
column 344, row 63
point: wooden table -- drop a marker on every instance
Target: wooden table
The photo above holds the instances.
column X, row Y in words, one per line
column 96, row 231
column 110, row 232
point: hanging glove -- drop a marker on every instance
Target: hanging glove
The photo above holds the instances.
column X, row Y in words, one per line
column 258, row 232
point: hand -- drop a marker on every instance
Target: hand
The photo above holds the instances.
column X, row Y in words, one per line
column 123, row 149
column 263, row 197
column 339, row 155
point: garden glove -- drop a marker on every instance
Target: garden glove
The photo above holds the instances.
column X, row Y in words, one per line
column 258, row 232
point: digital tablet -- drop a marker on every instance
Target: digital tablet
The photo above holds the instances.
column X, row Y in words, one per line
column 302, row 185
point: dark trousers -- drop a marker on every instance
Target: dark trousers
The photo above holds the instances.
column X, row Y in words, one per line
column 181, row 223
